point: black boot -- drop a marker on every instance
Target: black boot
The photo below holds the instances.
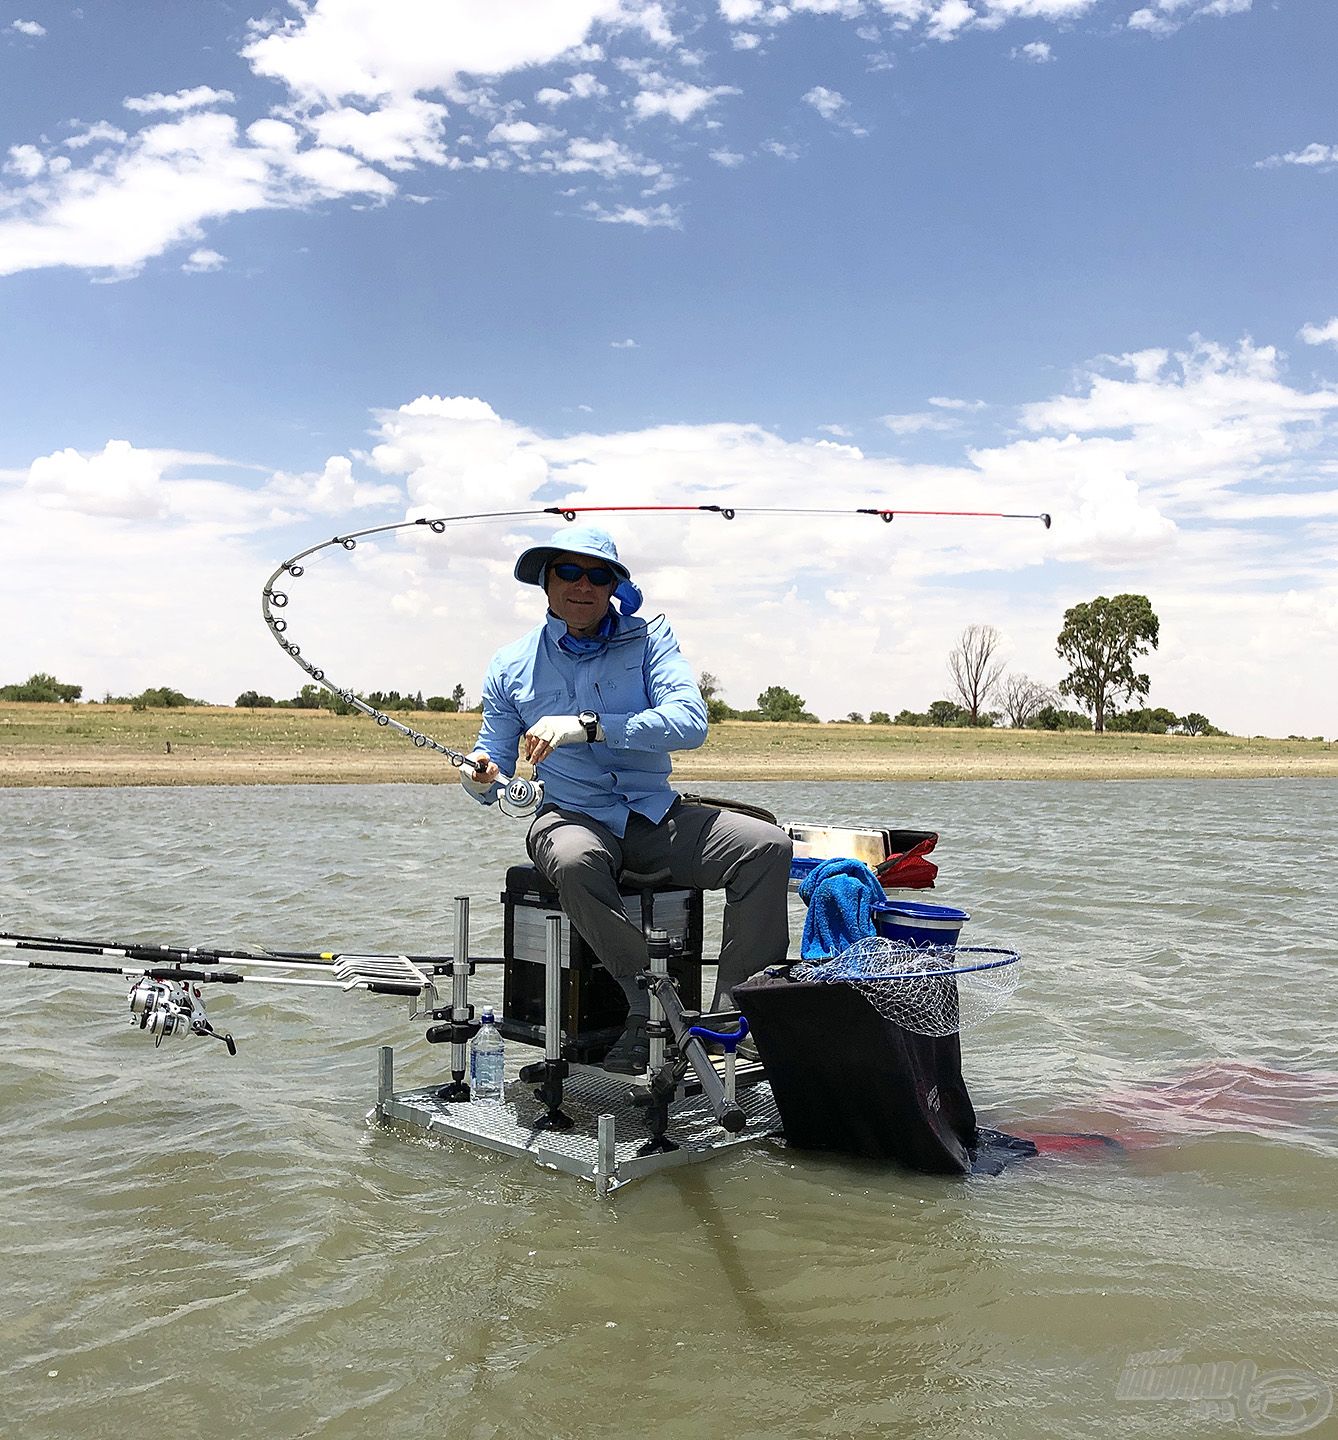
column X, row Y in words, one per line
column 630, row 1053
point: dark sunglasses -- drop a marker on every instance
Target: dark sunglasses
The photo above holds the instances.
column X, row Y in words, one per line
column 599, row 575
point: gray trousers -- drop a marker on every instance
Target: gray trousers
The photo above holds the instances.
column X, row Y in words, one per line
column 698, row 847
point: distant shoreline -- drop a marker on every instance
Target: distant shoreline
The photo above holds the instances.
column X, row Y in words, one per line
column 113, row 745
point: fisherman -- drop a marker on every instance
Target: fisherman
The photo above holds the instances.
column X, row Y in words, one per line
column 598, row 699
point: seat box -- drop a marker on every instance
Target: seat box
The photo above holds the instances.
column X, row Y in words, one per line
column 593, row 1006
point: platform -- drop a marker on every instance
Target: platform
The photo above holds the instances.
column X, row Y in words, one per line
column 603, row 1144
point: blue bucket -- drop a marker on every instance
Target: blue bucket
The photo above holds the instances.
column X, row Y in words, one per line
column 916, row 924
column 802, row 866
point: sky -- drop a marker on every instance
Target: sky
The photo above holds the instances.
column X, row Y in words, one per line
column 267, row 276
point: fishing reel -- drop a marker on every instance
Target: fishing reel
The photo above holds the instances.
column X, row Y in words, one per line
column 520, row 798
column 167, row 1007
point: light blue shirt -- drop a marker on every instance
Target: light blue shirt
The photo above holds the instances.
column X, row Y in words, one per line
column 647, row 701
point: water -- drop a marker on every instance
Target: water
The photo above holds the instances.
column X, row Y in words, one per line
column 222, row 1246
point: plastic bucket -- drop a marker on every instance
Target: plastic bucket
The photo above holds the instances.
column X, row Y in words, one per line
column 916, row 924
column 803, row 866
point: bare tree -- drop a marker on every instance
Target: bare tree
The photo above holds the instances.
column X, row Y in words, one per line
column 974, row 669
column 709, row 685
column 1021, row 697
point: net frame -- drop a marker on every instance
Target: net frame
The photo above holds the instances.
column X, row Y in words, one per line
column 925, row 989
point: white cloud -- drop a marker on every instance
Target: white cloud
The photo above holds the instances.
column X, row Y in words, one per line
column 1038, row 52
column 99, row 133
column 948, row 402
column 645, row 217
column 338, row 50
column 623, row 345
column 1326, row 334
column 916, row 422
column 202, row 262
column 729, row 159
column 332, row 491
column 28, row 27
column 398, row 134
column 522, row 132
column 200, row 98
column 745, row 40
column 740, row 12
column 119, row 481
column 155, row 192
column 1314, row 156
column 679, row 102
column 606, row 158
column 25, row 161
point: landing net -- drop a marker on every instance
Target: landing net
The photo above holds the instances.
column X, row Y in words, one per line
column 926, row 989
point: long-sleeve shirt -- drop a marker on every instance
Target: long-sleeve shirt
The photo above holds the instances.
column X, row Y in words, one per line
column 647, row 701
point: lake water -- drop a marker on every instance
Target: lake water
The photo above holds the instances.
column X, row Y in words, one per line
column 223, row 1247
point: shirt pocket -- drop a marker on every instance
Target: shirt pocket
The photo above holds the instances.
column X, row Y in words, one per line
column 621, row 689
column 534, row 703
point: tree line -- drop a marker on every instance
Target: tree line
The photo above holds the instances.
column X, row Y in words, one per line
column 1101, row 642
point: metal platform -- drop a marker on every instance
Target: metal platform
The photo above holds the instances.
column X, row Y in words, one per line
column 605, row 1142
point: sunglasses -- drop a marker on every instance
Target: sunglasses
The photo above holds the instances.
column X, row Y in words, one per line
column 599, row 575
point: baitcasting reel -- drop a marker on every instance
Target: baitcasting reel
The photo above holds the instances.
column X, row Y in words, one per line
column 166, row 1007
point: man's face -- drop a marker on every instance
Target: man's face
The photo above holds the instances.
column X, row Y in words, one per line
column 579, row 602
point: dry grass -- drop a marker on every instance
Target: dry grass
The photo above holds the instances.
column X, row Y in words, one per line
column 114, row 745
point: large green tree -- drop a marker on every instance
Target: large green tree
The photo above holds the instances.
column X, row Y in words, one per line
column 43, row 688
column 778, row 703
column 1100, row 642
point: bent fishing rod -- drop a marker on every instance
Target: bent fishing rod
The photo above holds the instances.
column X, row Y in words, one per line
column 519, row 797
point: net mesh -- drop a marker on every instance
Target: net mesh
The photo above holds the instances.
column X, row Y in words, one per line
column 926, row 989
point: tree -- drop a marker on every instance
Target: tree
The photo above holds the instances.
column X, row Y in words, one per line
column 854, row 718
column 1195, row 724
column 458, row 695
column 915, row 718
column 974, row 668
column 879, row 717
column 946, row 712
column 1022, row 697
column 252, row 700
column 1050, row 717
column 778, row 703
column 709, row 685
column 1100, row 641
column 42, row 688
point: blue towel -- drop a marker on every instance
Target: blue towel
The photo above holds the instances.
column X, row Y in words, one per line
column 840, row 895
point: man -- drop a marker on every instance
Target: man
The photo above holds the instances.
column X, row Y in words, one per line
column 598, row 699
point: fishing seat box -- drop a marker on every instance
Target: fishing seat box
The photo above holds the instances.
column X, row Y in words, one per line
column 593, row 1007
column 849, row 1081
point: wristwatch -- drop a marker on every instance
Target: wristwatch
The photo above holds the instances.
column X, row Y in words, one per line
column 590, row 719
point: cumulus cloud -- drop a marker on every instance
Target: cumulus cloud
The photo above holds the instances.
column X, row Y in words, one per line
column 28, row 27
column 135, row 201
column 644, row 217
column 203, row 261
column 1326, row 334
column 1038, row 52
column 678, row 102
column 624, row 345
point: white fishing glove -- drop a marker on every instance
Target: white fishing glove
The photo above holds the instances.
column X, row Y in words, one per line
column 483, row 790
column 548, row 733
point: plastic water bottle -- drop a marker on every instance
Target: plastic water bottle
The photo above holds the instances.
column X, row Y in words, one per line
column 487, row 1059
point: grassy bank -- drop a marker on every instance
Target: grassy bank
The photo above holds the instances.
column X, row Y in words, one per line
column 115, row 745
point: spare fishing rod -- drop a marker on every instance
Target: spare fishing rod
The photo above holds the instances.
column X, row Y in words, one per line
column 165, row 996
column 519, row 797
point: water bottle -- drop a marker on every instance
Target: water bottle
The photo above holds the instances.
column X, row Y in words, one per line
column 487, row 1058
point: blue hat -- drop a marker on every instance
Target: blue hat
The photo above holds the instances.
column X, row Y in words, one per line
column 573, row 540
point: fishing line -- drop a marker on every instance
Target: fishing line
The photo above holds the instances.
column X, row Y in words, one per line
column 520, row 797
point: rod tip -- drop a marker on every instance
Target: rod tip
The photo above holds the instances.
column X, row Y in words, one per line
column 1046, row 518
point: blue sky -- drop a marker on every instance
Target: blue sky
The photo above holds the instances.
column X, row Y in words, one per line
column 267, row 274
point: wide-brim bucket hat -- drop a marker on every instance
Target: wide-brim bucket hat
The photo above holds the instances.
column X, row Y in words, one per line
column 572, row 540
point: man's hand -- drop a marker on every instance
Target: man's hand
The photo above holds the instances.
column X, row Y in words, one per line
column 479, row 782
column 545, row 735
